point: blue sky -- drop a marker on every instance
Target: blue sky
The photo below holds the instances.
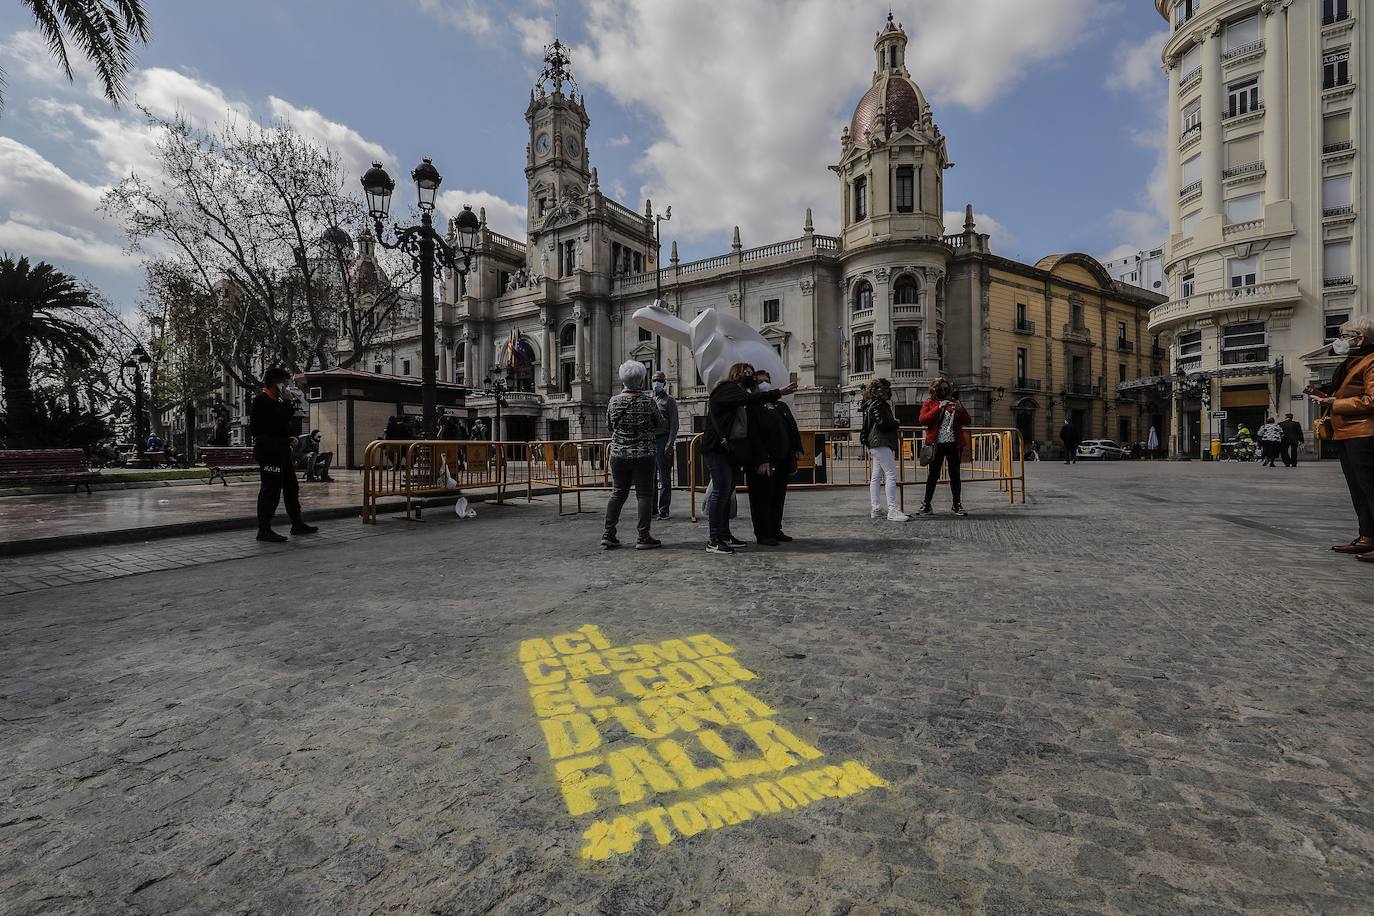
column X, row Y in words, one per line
column 729, row 112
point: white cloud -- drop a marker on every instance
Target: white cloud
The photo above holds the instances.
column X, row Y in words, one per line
column 1001, row 239
column 167, row 93
column 355, row 151
column 502, row 216
column 467, row 15
column 26, row 54
column 1138, row 65
column 746, row 137
column 622, row 140
column 34, row 242
column 535, row 32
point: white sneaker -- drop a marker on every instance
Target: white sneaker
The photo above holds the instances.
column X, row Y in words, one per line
column 897, row 515
column 875, row 513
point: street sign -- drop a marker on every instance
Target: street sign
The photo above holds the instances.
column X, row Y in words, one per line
column 1218, row 415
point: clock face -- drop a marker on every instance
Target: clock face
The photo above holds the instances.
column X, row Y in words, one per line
column 542, row 144
column 571, row 147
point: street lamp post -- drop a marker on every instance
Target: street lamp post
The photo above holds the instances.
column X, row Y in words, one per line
column 138, row 358
column 659, row 220
column 494, row 387
column 429, row 253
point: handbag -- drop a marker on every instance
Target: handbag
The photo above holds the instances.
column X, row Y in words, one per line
column 1322, row 427
column 926, row 455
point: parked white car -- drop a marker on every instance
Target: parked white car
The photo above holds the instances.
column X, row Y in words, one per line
column 1101, row 449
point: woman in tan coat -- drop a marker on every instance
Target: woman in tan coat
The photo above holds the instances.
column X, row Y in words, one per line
column 1350, row 401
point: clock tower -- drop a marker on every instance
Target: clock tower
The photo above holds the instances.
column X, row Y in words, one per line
column 556, row 168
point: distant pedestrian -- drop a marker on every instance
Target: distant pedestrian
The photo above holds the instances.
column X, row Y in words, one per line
column 783, row 446
column 1245, row 443
column 1070, row 436
column 635, row 422
column 879, row 434
column 1034, row 453
column 272, row 414
column 1292, row 439
column 1347, row 404
column 1270, row 441
column 665, row 445
column 729, row 443
column 946, row 422
column 1152, row 443
column 219, row 436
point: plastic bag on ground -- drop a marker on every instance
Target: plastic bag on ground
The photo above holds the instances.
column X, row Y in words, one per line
column 462, row 509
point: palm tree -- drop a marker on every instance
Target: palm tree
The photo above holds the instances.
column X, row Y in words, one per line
column 104, row 30
column 35, row 316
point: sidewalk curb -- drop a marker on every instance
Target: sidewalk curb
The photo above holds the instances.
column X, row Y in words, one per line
column 181, row 529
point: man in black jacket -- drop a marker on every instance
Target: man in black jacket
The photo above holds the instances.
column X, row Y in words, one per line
column 781, row 442
column 270, row 423
column 1292, row 438
column 1068, row 434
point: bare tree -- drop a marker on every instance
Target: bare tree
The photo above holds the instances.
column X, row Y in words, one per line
column 242, row 221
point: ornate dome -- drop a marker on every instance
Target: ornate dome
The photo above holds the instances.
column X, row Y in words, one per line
column 900, row 99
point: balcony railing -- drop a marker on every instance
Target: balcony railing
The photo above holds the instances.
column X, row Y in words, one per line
column 1189, row 131
column 1124, row 345
column 1245, row 169
column 1025, row 326
column 1185, row 82
column 1250, row 47
column 1243, row 357
column 1338, row 281
column 1339, row 146
column 1190, row 189
column 1204, row 304
column 1338, row 211
column 1025, row 384
column 1257, row 108
column 1082, row 389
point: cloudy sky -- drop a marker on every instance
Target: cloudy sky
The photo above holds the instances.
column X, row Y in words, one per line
column 729, row 111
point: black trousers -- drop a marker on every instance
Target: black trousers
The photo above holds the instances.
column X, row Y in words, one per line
column 1357, row 464
column 278, row 479
column 767, row 493
column 945, row 452
column 625, row 472
column 1290, row 454
column 1270, row 451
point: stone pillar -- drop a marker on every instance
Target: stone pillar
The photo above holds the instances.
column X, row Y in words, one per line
column 1213, row 110
column 1175, row 157
column 550, row 345
column 1274, row 89
column 580, row 348
column 884, row 361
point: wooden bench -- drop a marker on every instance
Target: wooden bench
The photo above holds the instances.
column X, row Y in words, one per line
column 222, row 459
column 49, row 465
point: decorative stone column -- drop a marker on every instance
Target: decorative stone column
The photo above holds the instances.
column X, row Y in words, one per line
column 1213, row 110
column 1171, row 66
column 580, row 340
column 1275, row 92
column 549, row 344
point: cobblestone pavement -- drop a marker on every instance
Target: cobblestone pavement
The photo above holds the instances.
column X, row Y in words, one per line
column 1146, row 691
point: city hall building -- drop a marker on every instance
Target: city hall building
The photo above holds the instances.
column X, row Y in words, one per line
column 892, row 294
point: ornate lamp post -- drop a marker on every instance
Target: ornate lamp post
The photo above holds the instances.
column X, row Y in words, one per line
column 494, row 387
column 659, row 220
column 429, row 252
column 138, row 358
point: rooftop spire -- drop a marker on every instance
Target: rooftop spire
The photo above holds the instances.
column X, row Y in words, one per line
column 556, row 72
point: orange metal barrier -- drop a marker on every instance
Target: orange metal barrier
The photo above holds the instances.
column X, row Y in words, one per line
column 414, row 468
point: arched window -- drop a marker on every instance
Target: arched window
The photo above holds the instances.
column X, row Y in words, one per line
column 863, row 296
column 567, row 338
column 460, row 350
column 905, row 292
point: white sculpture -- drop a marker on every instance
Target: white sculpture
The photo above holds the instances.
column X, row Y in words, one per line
column 717, row 342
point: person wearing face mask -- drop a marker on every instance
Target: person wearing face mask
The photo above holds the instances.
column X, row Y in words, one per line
column 879, row 435
column 271, row 416
column 946, row 422
column 664, row 444
column 782, row 445
column 1348, row 401
column 730, row 442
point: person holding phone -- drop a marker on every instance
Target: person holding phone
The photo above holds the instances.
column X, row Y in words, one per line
column 271, row 416
column 946, row 422
column 1349, row 401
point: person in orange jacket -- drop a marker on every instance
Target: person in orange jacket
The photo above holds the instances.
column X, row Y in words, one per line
column 946, row 422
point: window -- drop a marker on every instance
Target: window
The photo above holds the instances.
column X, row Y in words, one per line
column 1189, row 223
column 1246, row 342
column 1192, row 171
column 1076, row 315
column 567, row 369
column 1245, row 209
column 1336, row 69
column 862, row 360
column 892, row 57
column 1192, row 118
column 1022, row 364
column 860, row 198
column 543, row 205
column 405, row 367
column 1242, row 32
column 1121, row 330
column 377, row 368
column 1243, row 97
column 863, row 296
column 1021, row 316
column 1336, row 194
column 1243, row 151
column 777, row 348
column 1334, row 320
column 1243, row 271
column 1189, row 348
column 906, row 189
column 1192, row 60
column 1078, row 372
column 638, row 263
column 460, row 369
column 904, row 293
column 1336, row 263
column 908, row 348
column 1335, row 11
column 645, row 335
column 502, row 281
column 615, row 257
column 1185, row 10
column 772, row 311
column 567, row 338
column 1336, row 132
column 1121, row 372
column 940, row 349
column 1185, row 285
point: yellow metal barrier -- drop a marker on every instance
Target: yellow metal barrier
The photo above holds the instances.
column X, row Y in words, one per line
column 413, row 468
